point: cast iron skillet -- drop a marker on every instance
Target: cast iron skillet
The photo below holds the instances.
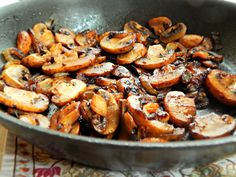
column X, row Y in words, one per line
column 203, row 17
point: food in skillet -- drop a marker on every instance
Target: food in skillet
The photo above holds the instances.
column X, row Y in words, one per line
column 141, row 84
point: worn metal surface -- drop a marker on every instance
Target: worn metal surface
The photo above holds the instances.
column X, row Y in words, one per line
column 201, row 17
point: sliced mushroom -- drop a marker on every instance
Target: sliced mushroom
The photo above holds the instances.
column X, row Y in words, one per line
column 102, row 69
column 56, row 49
column 108, row 124
column 156, row 58
column 212, row 126
column 207, row 55
column 222, row 86
column 86, row 110
column 64, row 91
column 207, row 44
column 121, row 71
column 65, row 36
column 42, row 35
column 181, row 108
column 24, row 42
column 75, row 129
column 36, row 60
column 104, row 82
column 127, row 86
column 154, row 127
column 167, row 76
column 69, row 66
column 128, row 127
column 12, row 55
column 64, row 118
column 137, row 52
column 117, row 42
column 99, row 105
column 23, row 100
column 87, row 38
column 159, row 24
column 42, row 84
column 141, row 32
column 145, row 82
column 191, row 40
column 16, row 75
column 173, row 33
column 35, row 119
column 153, row 140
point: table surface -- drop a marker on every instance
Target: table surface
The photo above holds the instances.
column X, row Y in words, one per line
column 21, row 159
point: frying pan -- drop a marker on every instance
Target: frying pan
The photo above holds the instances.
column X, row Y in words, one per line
column 201, row 17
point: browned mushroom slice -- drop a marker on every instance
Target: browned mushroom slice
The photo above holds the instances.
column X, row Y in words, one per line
column 88, row 50
column 35, row 119
column 121, row 71
column 35, row 60
column 99, row 105
column 65, row 91
column 108, row 124
column 117, row 42
column 159, row 24
column 137, row 52
column 145, row 82
column 153, row 127
column 127, row 86
column 191, row 40
column 64, row 118
column 42, row 84
column 153, row 140
column 222, row 86
column 177, row 135
column 207, row 44
column 128, row 127
column 103, row 81
column 56, row 49
column 210, row 64
column 75, row 129
column 65, row 36
column 24, row 42
column 86, row 110
column 12, row 55
column 207, row 55
column 69, row 66
column 23, row 100
column 141, row 32
column 167, row 76
column 212, row 126
column 156, row 58
column 173, row 33
column 87, row 38
column 181, row 108
column 42, row 35
column 16, row 75
column 98, row 69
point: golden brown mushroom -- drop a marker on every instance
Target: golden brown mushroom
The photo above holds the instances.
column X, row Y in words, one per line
column 36, row 60
column 102, row 69
column 117, row 42
column 157, row 57
column 65, row 36
column 121, row 71
column 108, row 124
column 16, row 75
column 173, row 33
column 87, row 38
column 159, row 24
column 41, row 34
column 181, row 108
column 191, row 40
column 212, row 126
column 167, row 76
column 23, row 100
column 35, row 119
column 24, row 42
column 137, row 52
column 141, row 32
column 64, row 91
column 222, row 86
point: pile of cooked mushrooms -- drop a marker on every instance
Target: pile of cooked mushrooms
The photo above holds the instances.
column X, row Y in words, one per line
column 136, row 84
